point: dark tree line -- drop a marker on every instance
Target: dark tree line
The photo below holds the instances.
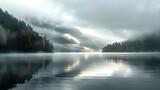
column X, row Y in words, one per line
column 149, row 43
column 17, row 36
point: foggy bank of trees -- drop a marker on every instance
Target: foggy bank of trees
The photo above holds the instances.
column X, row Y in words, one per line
column 17, row 36
column 150, row 43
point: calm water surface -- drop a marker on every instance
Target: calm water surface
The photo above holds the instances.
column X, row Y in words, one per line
column 127, row 71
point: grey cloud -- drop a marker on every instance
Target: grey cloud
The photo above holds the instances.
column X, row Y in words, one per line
column 62, row 43
column 131, row 14
column 68, row 48
column 137, row 16
column 56, row 26
column 107, row 14
column 62, row 40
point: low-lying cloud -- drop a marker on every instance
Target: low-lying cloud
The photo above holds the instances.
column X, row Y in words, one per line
column 66, row 39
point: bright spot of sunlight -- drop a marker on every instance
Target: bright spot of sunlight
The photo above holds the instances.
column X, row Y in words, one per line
column 107, row 70
column 72, row 38
column 87, row 49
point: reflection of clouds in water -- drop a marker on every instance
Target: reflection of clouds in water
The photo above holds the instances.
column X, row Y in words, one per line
column 81, row 71
column 72, row 66
column 107, row 70
column 94, row 65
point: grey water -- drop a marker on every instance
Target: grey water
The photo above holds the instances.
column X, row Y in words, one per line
column 80, row 71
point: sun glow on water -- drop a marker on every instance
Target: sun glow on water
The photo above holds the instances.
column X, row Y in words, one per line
column 107, row 70
column 72, row 66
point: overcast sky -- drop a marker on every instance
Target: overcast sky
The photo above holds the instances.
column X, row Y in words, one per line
column 87, row 25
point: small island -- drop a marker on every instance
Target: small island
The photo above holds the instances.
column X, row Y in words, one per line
column 18, row 36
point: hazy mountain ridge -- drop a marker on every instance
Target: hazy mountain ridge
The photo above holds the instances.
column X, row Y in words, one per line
column 147, row 43
column 17, row 36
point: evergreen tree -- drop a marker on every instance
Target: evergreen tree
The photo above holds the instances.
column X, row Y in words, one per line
column 149, row 43
column 17, row 36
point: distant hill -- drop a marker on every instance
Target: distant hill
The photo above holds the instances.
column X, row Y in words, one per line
column 17, row 36
column 149, row 43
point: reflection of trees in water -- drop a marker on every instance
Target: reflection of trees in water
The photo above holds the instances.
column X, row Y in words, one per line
column 18, row 70
column 147, row 62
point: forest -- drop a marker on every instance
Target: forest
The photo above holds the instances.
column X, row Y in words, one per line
column 149, row 43
column 18, row 36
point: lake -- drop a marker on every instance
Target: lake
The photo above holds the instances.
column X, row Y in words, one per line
column 80, row 71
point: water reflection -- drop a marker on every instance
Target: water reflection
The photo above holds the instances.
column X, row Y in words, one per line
column 106, row 70
column 84, row 71
column 19, row 69
column 71, row 67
